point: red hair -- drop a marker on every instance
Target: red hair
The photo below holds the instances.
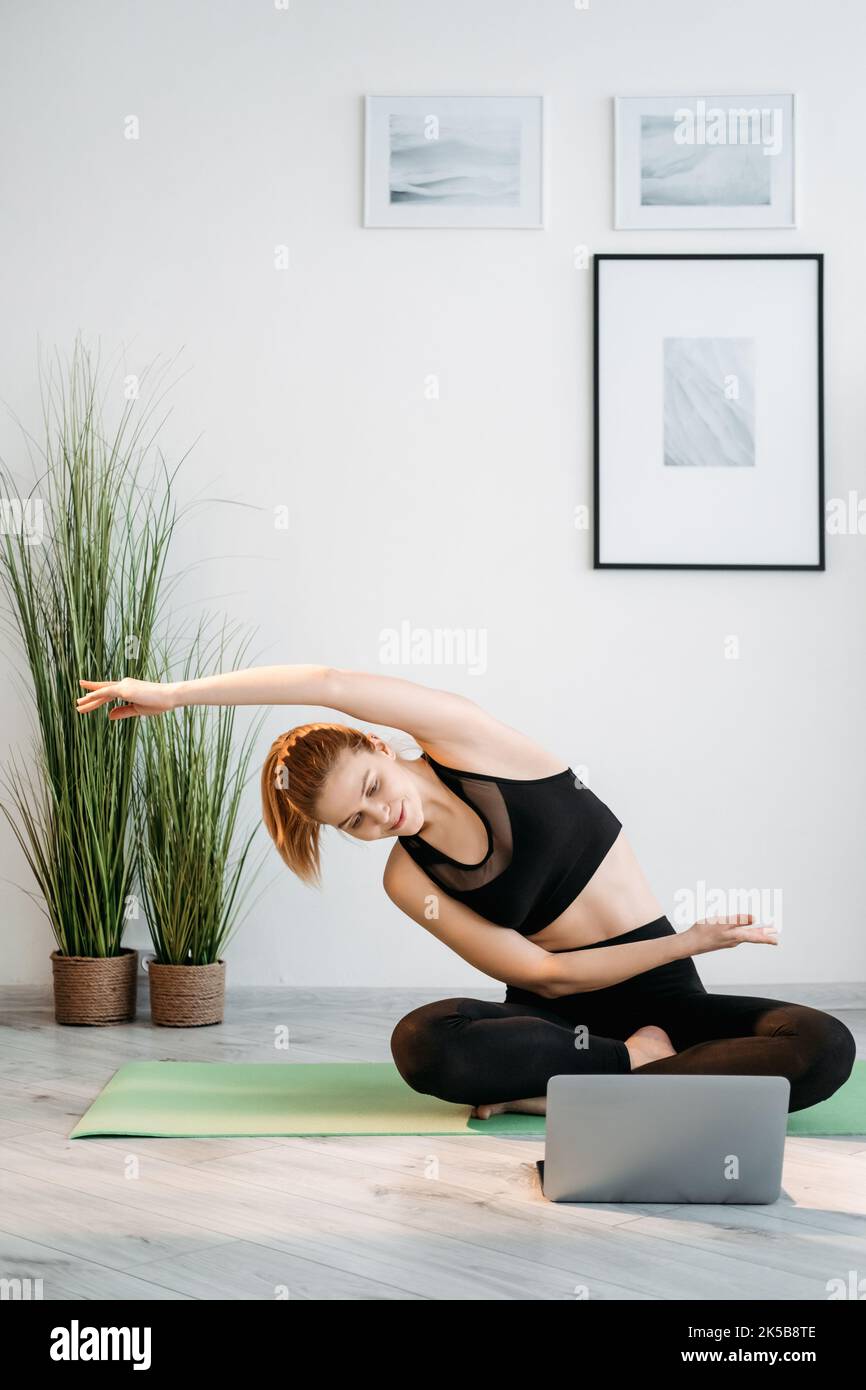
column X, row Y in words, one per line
column 294, row 772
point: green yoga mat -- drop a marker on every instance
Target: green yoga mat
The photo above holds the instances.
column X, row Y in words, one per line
column 226, row 1099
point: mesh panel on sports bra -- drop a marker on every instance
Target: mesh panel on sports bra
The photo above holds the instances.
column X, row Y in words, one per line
column 487, row 799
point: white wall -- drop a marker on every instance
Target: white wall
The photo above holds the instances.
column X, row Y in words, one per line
column 307, row 388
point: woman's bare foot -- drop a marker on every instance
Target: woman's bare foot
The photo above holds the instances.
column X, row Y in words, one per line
column 537, row 1105
column 649, row 1044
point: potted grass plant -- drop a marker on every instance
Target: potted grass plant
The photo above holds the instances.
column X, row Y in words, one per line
column 82, row 558
column 192, row 856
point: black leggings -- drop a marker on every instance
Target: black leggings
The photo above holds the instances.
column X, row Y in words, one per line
column 474, row 1052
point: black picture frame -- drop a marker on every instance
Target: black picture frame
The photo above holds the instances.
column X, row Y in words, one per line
column 818, row 258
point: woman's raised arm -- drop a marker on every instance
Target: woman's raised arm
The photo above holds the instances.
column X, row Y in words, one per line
column 260, row 685
column 400, row 704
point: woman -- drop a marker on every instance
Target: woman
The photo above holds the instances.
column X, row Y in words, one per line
column 505, row 856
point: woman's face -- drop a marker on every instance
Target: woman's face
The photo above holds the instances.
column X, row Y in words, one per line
column 372, row 796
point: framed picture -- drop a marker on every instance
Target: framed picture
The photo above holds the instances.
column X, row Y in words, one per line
column 708, row 412
column 704, row 161
column 454, row 162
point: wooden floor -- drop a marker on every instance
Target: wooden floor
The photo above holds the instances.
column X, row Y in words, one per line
column 361, row 1218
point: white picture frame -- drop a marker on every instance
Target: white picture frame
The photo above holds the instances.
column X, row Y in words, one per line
column 455, row 161
column 713, row 162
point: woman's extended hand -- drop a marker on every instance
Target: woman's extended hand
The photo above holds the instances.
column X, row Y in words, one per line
column 717, row 933
column 143, row 697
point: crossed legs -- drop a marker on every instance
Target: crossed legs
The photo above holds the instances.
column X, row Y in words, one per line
column 478, row 1052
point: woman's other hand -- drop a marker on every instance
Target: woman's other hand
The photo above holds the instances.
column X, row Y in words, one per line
column 141, row 697
column 718, row 933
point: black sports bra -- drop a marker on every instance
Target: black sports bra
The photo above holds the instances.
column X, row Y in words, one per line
column 545, row 839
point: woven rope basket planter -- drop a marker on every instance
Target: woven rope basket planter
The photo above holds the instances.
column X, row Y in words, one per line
column 187, row 996
column 95, row 990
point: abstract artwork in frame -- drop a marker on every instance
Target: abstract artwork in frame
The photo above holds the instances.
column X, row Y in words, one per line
column 708, row 412
column 705, row 161
column 454, row 161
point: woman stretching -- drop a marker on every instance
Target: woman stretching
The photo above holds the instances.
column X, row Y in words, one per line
column 508, row 859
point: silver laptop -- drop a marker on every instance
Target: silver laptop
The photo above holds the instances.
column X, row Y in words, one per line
column 622, row 1138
